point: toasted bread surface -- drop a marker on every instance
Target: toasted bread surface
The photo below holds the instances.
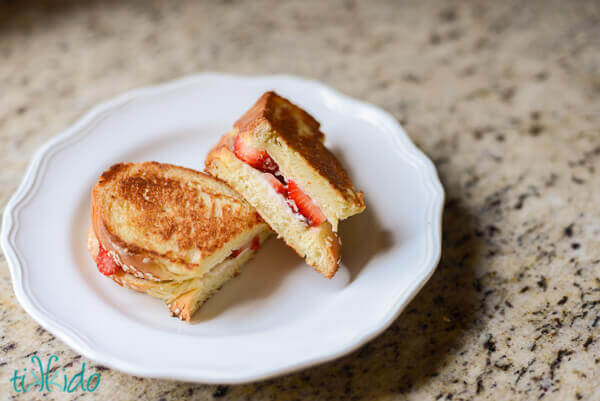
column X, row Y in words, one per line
column 301, row 132
column 293, row 139
column 166, row 222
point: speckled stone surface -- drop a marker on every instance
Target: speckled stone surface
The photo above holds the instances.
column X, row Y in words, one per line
column 504, row 96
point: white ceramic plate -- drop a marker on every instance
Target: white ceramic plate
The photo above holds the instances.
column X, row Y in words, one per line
column 278, row 315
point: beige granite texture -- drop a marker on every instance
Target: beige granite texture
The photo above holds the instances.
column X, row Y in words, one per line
column 504, row 96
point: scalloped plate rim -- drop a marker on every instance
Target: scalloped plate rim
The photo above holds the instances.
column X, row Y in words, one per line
column 82, row 345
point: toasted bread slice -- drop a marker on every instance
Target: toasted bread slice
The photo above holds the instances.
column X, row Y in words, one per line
column 293, row 139
column 162, row 222
column 320, row 246
column 288, row 143
column 183, row 298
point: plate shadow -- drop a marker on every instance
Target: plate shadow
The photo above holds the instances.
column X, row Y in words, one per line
column 245, row 288
column 362, row 238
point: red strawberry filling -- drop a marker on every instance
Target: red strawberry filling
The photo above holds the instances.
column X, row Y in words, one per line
column 106, row 264
column 276, row 184
column 259, row 159
column 306, row 207
column 298, row 200
column 254, row 245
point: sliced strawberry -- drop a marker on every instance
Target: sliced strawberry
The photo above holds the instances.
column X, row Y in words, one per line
column 275, row 183
column 259, row 159
column 106, row 264
column 255, row 243
column 305, row 205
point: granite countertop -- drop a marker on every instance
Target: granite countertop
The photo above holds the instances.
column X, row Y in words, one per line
column 503, row 96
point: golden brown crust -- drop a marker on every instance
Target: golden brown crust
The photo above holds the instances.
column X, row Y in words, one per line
column 224, row 144
column 329, row 269
column 282, row 114
column 300, row 131
column 335, row 256
column 164, row 208
column 182, row 307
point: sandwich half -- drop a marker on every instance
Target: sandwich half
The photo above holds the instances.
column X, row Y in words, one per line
column 171, row 232
column 275, row 158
